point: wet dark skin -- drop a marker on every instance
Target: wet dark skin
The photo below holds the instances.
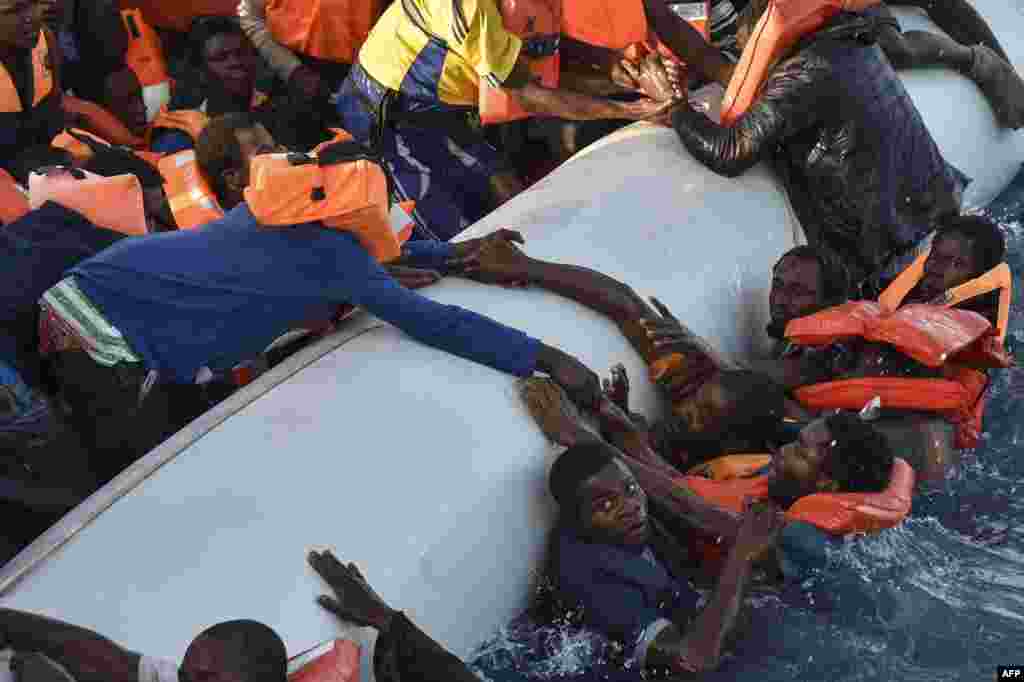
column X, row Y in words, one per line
column 652, row 330
column 613, row 509
column 950, row 263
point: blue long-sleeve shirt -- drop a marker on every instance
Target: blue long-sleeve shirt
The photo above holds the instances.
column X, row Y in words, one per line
column 218, row 295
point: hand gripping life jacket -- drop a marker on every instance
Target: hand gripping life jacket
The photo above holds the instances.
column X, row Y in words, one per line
column 834, row 513
column 341, row 184
column 782, row 25
column 145, row 57
column 42, row 80
column 331, row 30
column 936, row 335
column 13, row 199
column 114, row 203
column 334, row 661
column 538, row 23
column 192, row 201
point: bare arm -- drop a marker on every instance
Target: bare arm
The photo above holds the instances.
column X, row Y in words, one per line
column 86, row 655
column 686, row 43
column 574, row 105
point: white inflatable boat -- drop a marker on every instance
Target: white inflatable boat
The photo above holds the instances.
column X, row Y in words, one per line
column 422, row 467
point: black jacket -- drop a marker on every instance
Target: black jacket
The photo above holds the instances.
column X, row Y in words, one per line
column 863, row 172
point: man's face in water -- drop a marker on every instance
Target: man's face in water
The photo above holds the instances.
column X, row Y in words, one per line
column 613, row 507
column 797, row 290
column 950, row 263
column 798, row 468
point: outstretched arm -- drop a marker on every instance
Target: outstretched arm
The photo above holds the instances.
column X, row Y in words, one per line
column 559, row 420
column 700, row 648
column 86, row 655
column 686, row 43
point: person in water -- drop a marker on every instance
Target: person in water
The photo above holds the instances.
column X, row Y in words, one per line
column 628, row 575
column 231, row 651
column 866, row 178
column 631, row 578
column 838, row 454
column 226, row 64
column 173, row 308
column 414, row 94
column 716, row 406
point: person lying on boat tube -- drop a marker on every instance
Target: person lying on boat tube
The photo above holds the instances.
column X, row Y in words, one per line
column 231, row 651
column 865, row 175
column 698, row 382
column 178, row 307
column 838, row 477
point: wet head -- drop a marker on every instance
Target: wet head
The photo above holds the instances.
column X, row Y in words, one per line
column 20, row 22
column 122, row 95
column 236, row 651
column 835, row 454
column 599, row 495
column 964, row 247
column 798, row 289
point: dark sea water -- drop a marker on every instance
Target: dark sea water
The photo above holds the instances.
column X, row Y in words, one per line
column 939, row 598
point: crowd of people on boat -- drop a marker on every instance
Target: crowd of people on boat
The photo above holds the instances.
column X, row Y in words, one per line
column 188, row 197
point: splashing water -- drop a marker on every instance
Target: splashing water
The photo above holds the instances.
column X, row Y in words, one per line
column 939, row 598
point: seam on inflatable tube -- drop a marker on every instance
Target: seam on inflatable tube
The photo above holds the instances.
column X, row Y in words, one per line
column 129, row 479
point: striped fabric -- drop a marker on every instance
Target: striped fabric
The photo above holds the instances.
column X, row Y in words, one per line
column 69, row 321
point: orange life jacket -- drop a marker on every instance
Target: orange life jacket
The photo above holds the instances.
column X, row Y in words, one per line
column 698, row 18
column 13, row 199
column 335, row 661
column 192, row 201
column 177, row 15
column 42, row 79
column 340, row 184
column 97, row 120
column 538, row 23
column 730, row 467
column 332, row 30
column 145, row 57
column 935, row 335
column 615, row 24
column 782, row 25
column 834, row 513
column 114, row 203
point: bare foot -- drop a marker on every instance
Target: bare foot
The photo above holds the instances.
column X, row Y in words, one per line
column 554, row 412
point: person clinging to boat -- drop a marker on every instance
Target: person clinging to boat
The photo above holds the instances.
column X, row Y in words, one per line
column 838, row 477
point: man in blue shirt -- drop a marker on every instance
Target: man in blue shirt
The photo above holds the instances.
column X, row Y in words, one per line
column 169, row 308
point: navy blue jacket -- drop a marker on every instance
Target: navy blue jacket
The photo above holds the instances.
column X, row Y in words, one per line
column 220, row 294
